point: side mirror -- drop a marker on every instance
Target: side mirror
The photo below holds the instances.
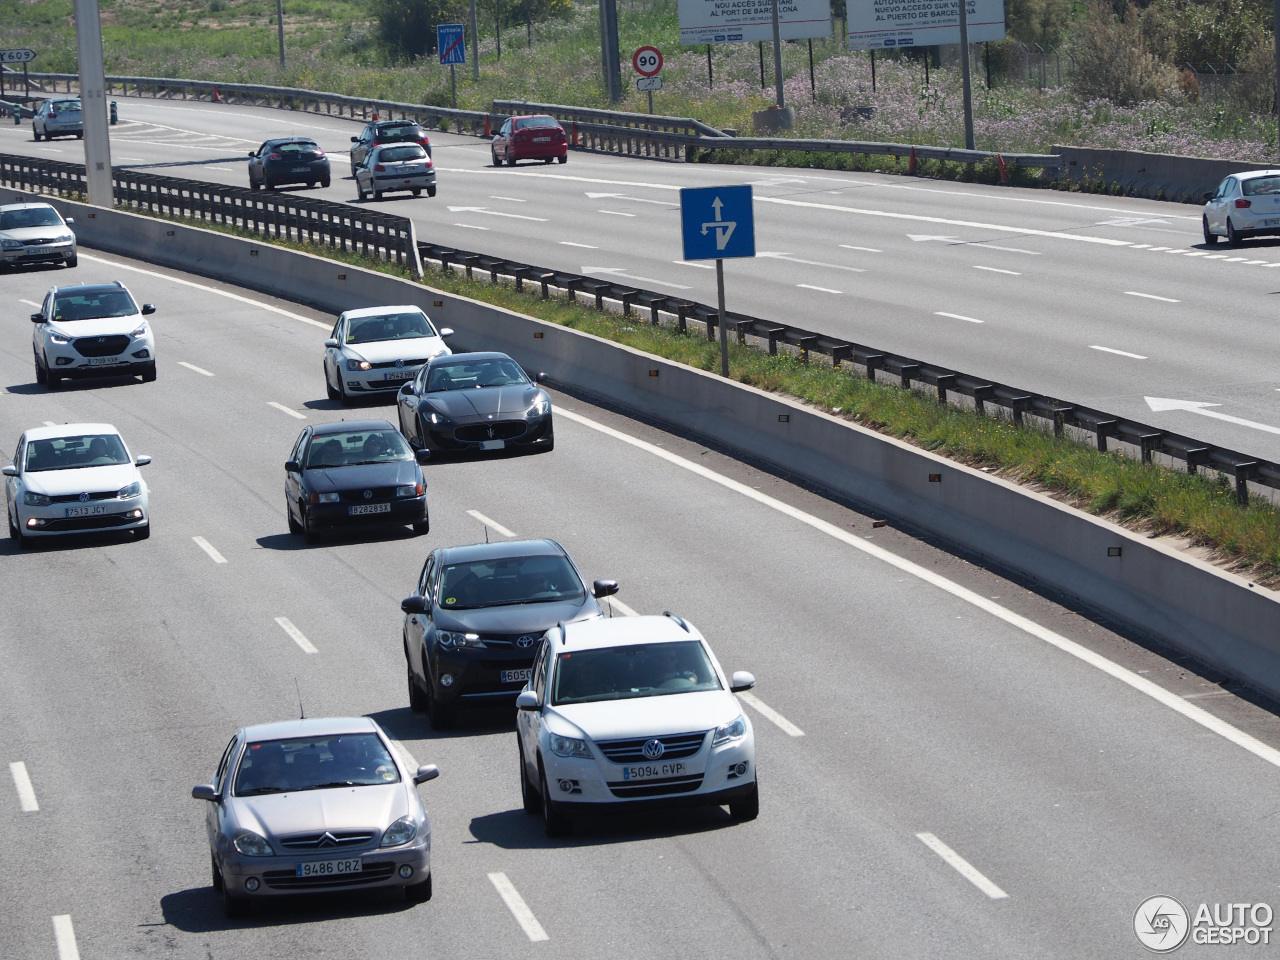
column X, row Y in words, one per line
column 148, row 309
column 292, row 466
column 10, row 470
column 539, row 377
column 422, row 455
column 407, row 389
column 353, row 140
column 333, row 343
column 604, row 588
column 528, row 700
column 254, row 153
column 142, row 461
column 414, row 604
column 741, row 681
column 204, row 791
column 37, row 318
column 1207, row 198
column 70, row 221
column 448, row 331
column 428, row 771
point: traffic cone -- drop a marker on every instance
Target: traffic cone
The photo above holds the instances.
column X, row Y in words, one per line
column 575, row 136
column 487, row 131
column 216, row 97
column 1004, row 172
column 911, row 163
column 375, row 112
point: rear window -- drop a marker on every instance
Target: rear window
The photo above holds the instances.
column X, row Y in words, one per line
column 529, row 122
column 396, row 154
column 1261, row 186
column 65, row 106
column 297, row 146
column 399, row 130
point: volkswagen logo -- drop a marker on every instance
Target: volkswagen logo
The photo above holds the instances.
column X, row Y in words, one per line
column 84, row 498
column 526, row 641
column 368, row 494
column 399, row 363
column 653, row 749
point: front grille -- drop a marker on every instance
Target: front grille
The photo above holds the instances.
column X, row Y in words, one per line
column 286, row 880
column 100, row 346
column 498, row 430
column 676, row 746
column 40, row 241
column 319, row 841
column 392, row 363
column 630, row 790
column 377, row 493
column 75, row 497
column 89, row 523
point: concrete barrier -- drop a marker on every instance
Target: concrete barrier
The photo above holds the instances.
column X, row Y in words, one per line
column 1159, row 176
column 1211, row 614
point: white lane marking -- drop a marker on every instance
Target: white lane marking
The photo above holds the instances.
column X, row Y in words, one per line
column 1235, row 259
column 207, row 289
column 1184, row 250
column 1150, row 296
column 50, row 423
column 56, row 150
column 623, row 196
column 809, row 286
column 849, row 246
column 957, row 316
column 491, row 524
column 584, row 246
column 1247, row 263
column 519, row 909
column 962, row 866
column 1119, row 353
column 518, row 200
column 296, row 635
column 618, row 272
column 770, row 714
column 1136, row 246
column 810, row 263
column 1196, row 253
column 470, row 226
column 622, row 608
column 1152, row 249
column 615, row 213
column 191, row 366
column 1217, row 256
column 1161, row 404
column 64, row 935
column 1137, row 682
column 690, row 263
column 1012, row 273
column 26, row 792
column 32, row 303
column 496, row 213
column 144, row 160
column 283, row 409
column 208, row 548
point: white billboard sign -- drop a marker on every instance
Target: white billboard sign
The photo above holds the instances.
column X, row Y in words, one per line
column 881, row 24
column 748, row 21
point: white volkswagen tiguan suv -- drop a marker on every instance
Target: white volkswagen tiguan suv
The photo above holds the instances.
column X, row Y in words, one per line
column 92, row 330
column 632, row 710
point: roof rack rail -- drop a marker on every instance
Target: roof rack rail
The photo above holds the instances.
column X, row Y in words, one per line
column 678, row 619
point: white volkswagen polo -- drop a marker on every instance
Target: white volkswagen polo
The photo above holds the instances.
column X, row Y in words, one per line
column 375, row 350
column 75, row 478
column 633, row 710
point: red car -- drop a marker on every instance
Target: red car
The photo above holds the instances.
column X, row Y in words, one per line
column 530, row 138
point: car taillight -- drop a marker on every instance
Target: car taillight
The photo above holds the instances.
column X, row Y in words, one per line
column 379, row 168
column 318, row 154
column 273, row 156
column 423, row 140
column 1242, row 203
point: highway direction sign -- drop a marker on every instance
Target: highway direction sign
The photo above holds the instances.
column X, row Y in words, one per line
column 647, row 61
column 17, row 56
column 649, row 83
column 717, row 223
column 449, row 41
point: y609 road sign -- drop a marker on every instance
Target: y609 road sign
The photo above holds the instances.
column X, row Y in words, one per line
column 17, row 56
column 449, row 41
column 717, row 223
column 647, row 61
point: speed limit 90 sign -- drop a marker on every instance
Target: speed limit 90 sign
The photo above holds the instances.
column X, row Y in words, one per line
column 647, row 61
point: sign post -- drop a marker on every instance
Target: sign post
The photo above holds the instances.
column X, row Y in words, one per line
column 452, row 47
column 648, row 63
column 23, row 56
column 717, row 223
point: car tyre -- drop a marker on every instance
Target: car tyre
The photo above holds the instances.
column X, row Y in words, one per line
column 554, row 820
column 344, row 398
column 52, row 380
column 532, row 802
column 268, row 185
column 547, row 159
column 294, row 526
column 42, row 378
column 35, row 134
column 73, row 260
column 80, row 135
column 233, row 907
column 331, row 393
column 511, row 160
column 418, row 892
column 748, row 808
column 1233, row 238
column 442, row 717
column 377, row 194
column 17, row 536
column 143, row 533
column 431, row 190
column 492, row 151
column 423, row 526
column 149, row 374
column 325, row 183
column 564, row 159
column 1209, row 238
column 359, row 192
column 417, row 699
column 309, row 532
column 416, row 191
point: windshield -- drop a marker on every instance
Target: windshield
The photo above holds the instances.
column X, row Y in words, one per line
column 70, row 453
column 389, row 326
column 93, row 304
column 1261, row 186
column 531, row 122
column 476, row 373
column 624, row 673
column 396, row 154
column 363, row 446
column 314, row 763
column 31, row 217
column 508, row 581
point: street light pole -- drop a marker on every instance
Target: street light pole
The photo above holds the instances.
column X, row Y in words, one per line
column 964, row 74
column 93, row 102
column 777, row 57
column 475, row 44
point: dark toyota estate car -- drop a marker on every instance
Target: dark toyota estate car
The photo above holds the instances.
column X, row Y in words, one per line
column 289, row 160
column 354, row 472
column 473, row 627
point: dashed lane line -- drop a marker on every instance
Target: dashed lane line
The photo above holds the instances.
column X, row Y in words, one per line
column 30, row 303
column 1150, row 296
column 622, row 608
column 810, row 286
column 289, row 410
column 584, row 246
column 615, row 213
column 962, row 866
column 191, row 366
column 1012, row 273
column 26, row 792
column 957, row 316
column 296, row 635
column 493, row 525
column 1118, row 353
column 849, row 246
column 64, row 935
column 208, row 548
column 519, row 909
column 770, row 714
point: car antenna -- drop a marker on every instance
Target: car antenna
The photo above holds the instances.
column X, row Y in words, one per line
column 486, row 533
column 301, row 709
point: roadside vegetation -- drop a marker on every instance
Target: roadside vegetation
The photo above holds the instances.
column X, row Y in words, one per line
column 1191, row 77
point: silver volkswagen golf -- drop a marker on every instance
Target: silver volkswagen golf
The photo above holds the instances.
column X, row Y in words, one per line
column 316, row 805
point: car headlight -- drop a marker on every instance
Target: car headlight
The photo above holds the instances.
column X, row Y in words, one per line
column 438, row 418
column 252, row 845
column 569, row 747
column 540, row 408
column 58, row 338
column 35, row 499
column 359, row 365
column 132, row 490
column 140, row 332
column 69, row 238
column 730, row 731
column 11, row 244
column 325, row 497
column 402, row 831
column 409, row 490
column 448, row 638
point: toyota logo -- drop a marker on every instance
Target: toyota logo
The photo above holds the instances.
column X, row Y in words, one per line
column 526, row 641
column 653, row 749
column 368, row 494
column 84, row 498
column 399, row 363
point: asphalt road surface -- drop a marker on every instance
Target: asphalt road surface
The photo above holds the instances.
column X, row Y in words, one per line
column 1098, row 300
column 951, row 765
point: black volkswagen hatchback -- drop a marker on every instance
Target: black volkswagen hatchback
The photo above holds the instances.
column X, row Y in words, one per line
column 472, row 628
column 354, row 472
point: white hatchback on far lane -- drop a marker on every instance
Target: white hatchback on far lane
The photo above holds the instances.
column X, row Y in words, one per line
column 632, row 710
column 1245, row 205
column 75, row 478
column 375, row 350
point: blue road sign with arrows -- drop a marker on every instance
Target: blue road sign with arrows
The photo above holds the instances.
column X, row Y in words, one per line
column 449, row 41
column 717, row 223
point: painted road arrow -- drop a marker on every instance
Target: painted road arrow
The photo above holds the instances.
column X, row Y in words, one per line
column 810, row 263
column 1163, row 404
column 955, row 242
column 617, row 272
column 623, row 196
column 495, row 213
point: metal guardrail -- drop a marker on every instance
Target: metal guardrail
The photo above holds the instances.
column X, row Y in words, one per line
column 339, row 226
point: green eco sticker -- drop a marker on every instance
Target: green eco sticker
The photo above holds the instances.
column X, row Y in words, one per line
column 451, row 600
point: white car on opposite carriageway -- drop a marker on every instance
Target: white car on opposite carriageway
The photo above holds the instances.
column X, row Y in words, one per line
column 633, row 710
